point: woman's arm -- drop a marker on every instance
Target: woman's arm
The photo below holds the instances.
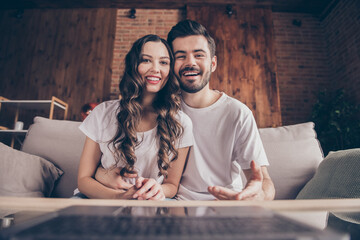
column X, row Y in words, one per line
column 170, row 185
column 87, row 185
column 151, row 190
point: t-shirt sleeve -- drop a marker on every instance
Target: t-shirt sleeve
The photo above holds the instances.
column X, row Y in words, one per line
column 248, row 144
column 96, row 122
column 187, row 138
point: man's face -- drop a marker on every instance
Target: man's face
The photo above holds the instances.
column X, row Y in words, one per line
column 193, row 62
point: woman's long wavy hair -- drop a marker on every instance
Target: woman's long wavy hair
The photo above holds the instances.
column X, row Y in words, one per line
column 166, row 104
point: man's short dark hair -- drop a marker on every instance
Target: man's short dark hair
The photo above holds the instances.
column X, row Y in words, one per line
column 187, row 28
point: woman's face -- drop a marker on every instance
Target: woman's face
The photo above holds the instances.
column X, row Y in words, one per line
column 154, row 66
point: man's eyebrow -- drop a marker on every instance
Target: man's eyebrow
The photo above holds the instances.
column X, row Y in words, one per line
column 179, row 51
column 196, row 50
column 200, row 50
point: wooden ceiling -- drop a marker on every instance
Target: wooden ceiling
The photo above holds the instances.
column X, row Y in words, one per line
column 303, row 6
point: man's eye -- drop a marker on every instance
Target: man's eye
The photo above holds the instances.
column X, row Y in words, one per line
column 180, row 57
column 199, row 55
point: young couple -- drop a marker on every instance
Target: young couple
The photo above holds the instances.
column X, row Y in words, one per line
column 150, row 149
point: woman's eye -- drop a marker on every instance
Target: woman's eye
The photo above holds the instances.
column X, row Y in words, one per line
column 164, row 63
column 145, row 60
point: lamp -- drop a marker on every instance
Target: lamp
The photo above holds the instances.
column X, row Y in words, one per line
column 132, row 13
column 229, row 10
column 297, row 22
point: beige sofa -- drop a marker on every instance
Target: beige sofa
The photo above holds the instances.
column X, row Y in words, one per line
column 48, row 163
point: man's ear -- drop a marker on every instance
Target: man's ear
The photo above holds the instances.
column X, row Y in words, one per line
column 213, row 63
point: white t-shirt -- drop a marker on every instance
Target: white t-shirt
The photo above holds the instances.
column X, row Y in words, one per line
column 226, row 138
column 101, row 127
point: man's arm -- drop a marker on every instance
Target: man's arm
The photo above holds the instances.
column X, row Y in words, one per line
column 111, row 178
column 259, row 186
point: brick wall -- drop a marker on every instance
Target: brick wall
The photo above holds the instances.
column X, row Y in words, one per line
column 301, row 62
column 321, row 53
column 342, row 33
column 147, row 21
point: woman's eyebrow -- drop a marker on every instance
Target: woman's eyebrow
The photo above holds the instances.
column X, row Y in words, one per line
column 146, row 55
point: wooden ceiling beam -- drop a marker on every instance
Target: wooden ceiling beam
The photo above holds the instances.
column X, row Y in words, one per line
column 306, row 6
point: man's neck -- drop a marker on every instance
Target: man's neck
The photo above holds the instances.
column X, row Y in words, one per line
column 204, row 98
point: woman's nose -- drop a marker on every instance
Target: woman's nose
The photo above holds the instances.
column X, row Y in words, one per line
column 156, row 67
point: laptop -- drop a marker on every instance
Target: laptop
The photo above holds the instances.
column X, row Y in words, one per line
column 113, row 222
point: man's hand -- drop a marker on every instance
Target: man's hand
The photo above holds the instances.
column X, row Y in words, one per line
column 254, row 189
column 111, row 178
column 149, row 189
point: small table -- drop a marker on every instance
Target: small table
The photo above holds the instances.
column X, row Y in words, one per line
column 314, row 212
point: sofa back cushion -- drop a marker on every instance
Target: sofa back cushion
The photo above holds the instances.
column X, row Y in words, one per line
column 294, row 154
column 60, row 142
column 293, row 151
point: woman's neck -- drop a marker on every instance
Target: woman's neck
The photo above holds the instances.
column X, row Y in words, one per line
column 148, row 115
column 147, row 101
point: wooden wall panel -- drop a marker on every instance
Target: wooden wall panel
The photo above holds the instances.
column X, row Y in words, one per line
column 246, row 57
column 64, row 52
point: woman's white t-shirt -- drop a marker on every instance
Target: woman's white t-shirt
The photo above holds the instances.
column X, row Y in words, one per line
column 101, row 127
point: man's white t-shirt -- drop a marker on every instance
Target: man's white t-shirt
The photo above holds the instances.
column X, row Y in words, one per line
column 101, row 127
column 226, row 139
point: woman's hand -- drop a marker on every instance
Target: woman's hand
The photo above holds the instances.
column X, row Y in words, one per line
column 149, row 189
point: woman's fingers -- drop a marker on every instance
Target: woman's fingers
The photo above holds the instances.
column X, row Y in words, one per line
column 149, row 188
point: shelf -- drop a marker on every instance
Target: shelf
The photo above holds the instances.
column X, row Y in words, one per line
column 36, row 104
column 14, row 132
column 19, row 105
column 32, row 104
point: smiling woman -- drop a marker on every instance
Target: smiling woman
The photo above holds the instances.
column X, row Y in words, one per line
column 144, row 133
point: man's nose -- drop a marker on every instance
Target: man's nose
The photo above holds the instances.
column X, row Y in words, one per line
column 190, row 61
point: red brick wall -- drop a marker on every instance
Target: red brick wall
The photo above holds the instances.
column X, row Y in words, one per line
column 318, row 54
column 301, row 63
column 147, row 21
column 342, row 33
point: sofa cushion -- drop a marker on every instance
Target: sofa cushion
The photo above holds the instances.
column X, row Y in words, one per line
column 26, row 175
column 338, row 176
column 60, row 142
column 294, row 154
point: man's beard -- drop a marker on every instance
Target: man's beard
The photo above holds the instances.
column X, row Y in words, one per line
column 193, row 88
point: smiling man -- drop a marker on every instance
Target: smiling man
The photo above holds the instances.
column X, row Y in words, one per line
column 225, row 132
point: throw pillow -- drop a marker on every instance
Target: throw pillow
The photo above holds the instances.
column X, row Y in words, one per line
column 294, row 154
column 25, row 175
column 338, row 176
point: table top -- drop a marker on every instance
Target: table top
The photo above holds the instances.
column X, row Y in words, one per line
column 319, row 213
column 53, row 204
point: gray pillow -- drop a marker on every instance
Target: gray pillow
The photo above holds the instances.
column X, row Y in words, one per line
column 25, row 175
column 338, row 176
column 294, row 154
column 61, row 142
